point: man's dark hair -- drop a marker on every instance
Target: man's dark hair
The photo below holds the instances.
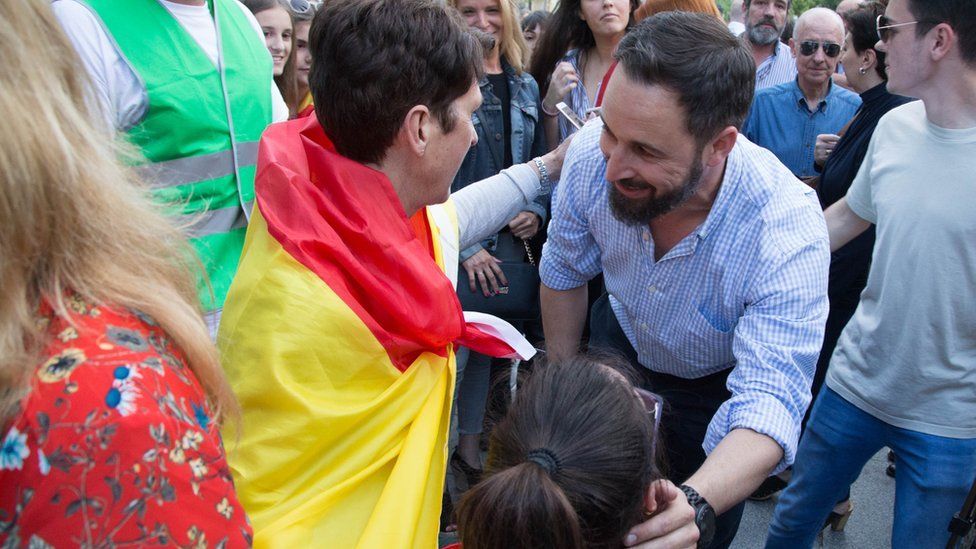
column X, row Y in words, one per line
column 695, row 56
column 959, row 14
column 377, row 59
column 569, row 465
column 861, row 24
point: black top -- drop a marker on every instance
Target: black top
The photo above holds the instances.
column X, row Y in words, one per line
column 849, row 265
column 499, row 87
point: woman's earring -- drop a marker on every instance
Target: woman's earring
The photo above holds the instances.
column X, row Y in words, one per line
column 862, row 70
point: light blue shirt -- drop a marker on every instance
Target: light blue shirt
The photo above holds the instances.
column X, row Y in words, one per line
column 777, row 68
column 781, row 121
column 747, row 289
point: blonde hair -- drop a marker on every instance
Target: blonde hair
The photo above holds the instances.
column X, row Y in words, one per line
column 511, row 45
column 74, row 219
column 654, row 7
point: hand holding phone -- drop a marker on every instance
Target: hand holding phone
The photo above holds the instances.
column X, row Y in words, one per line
column 564, row 110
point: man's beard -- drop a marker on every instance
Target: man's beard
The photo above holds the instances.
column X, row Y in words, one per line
column 641, row 212
column 761, row 35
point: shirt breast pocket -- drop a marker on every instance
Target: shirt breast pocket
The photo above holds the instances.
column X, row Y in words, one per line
column 701, row 342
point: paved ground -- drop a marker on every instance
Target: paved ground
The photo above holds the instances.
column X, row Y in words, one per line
column 869, row 526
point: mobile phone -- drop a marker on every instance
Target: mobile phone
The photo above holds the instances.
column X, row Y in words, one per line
column 564, row 109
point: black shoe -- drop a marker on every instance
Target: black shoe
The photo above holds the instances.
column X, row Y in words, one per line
column 464, row 474
column 768, row 488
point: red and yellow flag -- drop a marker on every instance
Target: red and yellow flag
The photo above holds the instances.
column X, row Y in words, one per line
column 337, row 336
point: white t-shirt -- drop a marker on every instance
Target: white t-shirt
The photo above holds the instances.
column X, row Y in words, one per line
column 908, row 356
column 121, row 96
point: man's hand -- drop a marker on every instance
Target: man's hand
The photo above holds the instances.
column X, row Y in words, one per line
column 483, row 269
column 672, row 521
column 525, row 225
column 826, row 142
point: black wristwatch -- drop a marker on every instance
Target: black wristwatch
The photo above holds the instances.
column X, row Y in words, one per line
column 704, row 516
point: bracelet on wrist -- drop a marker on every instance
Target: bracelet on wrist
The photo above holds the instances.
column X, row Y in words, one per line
column 543, row 174
column 548, row 112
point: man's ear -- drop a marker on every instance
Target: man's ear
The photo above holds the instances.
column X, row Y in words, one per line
column 793, row 48
column 416, row 129
column 720, row 147
column 944, row 39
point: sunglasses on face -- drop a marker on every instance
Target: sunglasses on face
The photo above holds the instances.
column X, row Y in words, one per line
column 886, row 27
column 810, row 47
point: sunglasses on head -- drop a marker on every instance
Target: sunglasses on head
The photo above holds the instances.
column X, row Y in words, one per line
column 653, row 404
column 301, row 7
column 810, row 47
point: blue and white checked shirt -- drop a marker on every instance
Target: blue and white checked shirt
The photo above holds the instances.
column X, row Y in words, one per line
column 777, row 68
column 748, row 288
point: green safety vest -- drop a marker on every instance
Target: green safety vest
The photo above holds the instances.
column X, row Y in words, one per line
column 201, row 129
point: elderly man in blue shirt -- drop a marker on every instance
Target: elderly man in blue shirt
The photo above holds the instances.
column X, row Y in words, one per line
column 786, row 119
column 715, row 260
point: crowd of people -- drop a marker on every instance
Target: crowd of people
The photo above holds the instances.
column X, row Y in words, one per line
column 265, row 262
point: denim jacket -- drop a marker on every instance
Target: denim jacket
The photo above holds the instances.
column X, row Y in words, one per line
column 528, row 141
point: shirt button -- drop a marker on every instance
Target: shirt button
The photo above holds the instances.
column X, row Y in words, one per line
column 498, row 137
column 652, row 289
column 643, row 326
column 647, row 235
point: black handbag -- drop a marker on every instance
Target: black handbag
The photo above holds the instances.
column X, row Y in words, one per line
column 521, row 299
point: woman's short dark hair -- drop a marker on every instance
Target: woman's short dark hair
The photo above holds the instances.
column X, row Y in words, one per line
column 564, row 31
column 861, row 24
column 535, row 19
column 377, row 59
column 959, row 14
column 597, row 436
column 695, row 56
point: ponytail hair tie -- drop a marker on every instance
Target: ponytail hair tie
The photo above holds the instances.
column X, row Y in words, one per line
column 543, row 457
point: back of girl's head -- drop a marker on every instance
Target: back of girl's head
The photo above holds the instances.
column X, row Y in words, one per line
column 71, row 217
column 653, row 7
column 568, row 466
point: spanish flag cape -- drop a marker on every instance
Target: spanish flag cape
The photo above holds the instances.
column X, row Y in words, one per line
column 337, row 336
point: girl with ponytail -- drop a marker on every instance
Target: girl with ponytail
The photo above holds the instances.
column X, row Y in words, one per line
column 570, row 464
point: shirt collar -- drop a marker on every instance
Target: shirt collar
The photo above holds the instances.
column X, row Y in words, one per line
column 730, row 182
column 801, row 101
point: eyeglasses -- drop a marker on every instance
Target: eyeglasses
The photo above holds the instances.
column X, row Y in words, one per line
column 653, row 404
column 884, row 26
column 810, row 47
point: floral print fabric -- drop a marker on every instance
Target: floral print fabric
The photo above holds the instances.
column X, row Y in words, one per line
column 114, row 444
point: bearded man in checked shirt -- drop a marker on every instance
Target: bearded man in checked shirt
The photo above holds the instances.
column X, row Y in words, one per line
column 715, row 259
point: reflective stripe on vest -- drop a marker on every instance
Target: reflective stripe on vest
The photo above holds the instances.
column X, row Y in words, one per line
column 185, row 171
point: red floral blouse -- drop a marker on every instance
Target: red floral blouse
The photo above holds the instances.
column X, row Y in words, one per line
column 114, row 444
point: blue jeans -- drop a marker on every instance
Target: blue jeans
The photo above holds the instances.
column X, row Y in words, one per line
column 934, row 475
